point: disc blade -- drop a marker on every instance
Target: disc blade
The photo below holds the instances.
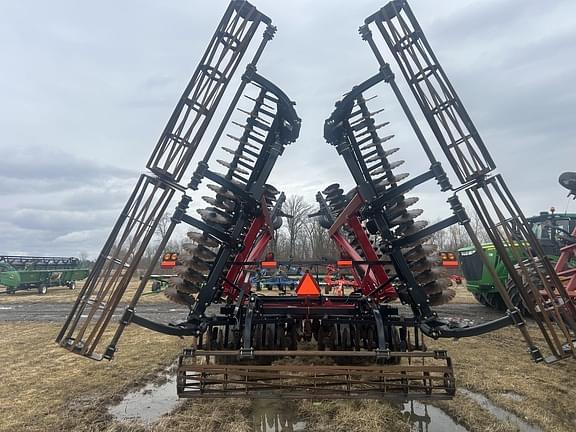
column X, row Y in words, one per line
column 331, row 187
column 409, row 229
column 406, row 217
column 203, row 253
column 221, row 191
column 180, row 298
column 183, row 286
column 211, row 217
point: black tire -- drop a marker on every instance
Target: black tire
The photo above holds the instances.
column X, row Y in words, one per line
column 491, row 300
column 514, row 292
column 72, row 285
column 516, row 298
column 42, row 289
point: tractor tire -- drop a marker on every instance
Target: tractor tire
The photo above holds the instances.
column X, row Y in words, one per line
column 491, row 300
column 515, row 297
column 42, row 289
column 514, row 292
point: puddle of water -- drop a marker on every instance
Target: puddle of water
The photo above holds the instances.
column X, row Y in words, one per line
column 275, row 416
column 500, row 413
column 428, row 418
column 149, row 403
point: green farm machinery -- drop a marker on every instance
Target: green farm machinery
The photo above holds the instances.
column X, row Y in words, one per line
column 554, row 232
column 28, row 272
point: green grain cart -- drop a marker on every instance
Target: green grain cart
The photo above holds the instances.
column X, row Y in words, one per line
column 549, row 228
column 26, row 272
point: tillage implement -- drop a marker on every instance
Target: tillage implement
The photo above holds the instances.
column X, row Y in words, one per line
column 367, row 343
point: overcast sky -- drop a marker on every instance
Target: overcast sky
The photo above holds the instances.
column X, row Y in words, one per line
column 87, row 87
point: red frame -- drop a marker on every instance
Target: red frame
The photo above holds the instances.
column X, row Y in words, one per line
column 374, row 274
column 564, row 271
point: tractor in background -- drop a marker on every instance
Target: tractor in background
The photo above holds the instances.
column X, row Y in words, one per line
column 555, row 233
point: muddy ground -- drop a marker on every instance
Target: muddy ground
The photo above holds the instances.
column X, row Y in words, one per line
column 46, row 388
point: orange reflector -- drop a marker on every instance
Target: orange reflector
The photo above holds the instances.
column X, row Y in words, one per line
column 450, row 263
column 167, row 264
column 268, row 264
column 308, row 286
column 344, row 263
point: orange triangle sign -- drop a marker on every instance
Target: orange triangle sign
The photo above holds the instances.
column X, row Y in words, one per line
column 308, row 286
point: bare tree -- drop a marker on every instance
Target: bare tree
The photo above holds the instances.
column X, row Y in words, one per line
column 163, row 225
column 298, row 209
column 318, row 241
column 456, row 237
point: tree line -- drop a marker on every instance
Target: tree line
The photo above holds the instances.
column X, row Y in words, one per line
column 302, row 238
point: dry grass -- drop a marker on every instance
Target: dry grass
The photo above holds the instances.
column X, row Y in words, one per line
column 358, row 416
column 44, row 387
column 496, row 364
column 468, row 413
column 463, row 296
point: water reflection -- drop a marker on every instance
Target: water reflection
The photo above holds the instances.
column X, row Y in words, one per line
column 276, row 416
column 149, row 403
column 428, row 418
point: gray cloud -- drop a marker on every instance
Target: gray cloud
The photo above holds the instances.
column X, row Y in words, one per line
column 91, row 86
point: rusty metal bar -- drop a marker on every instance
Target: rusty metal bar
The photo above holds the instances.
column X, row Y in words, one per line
column 198, row 378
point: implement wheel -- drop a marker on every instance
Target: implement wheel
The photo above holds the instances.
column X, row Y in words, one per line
column 42, row 289
column 72, row 285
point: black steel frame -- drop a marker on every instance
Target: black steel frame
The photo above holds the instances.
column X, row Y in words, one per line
column 472, row 164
